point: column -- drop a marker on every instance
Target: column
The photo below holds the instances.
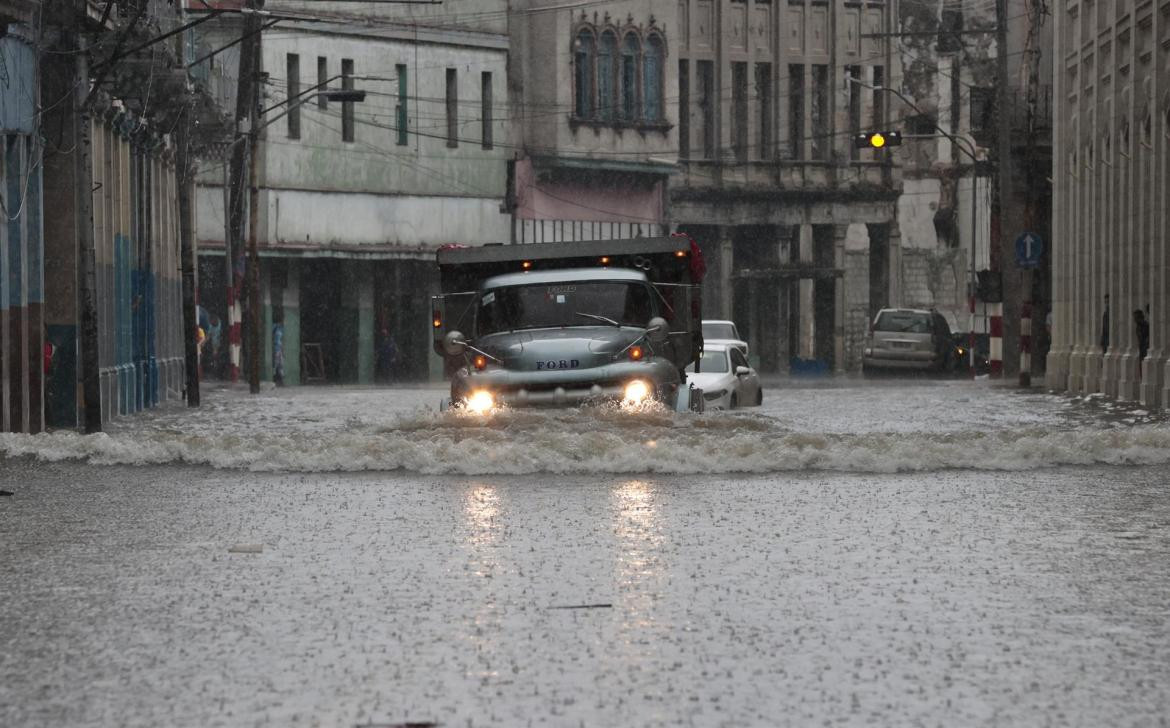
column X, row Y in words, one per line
column 783, row 299
column 292, row 323
column 356, row 324
column 726, row 263
column 840, row 233
column 266, row 321
column 806, row 341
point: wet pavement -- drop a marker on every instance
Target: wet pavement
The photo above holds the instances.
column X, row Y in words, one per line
column 863, row 568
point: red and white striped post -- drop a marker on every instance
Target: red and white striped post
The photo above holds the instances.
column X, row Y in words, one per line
column 1026, row 344
column 995, row 345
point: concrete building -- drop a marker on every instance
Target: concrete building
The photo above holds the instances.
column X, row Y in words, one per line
column 356, row 197
column 596, row 132
column 133, row 235
column 1112, row 181
column 22, row 325
column 799, row 227
column 947, row 88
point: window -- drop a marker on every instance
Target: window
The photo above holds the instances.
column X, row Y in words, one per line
column 583, row 54
column 606, row 57
column 400, row 113
column 796, row 111
column 739, row 110
column 854, row 109
column 539, row 306
column 347, row 106
column 628, row 79
column 322, row 82
column 652, row 61
column 684, row 109
column 879, row 97
column 708, row 105
column 820, row 122
column 764, row 98
column 293, row 68
column 452, row 108
column 485, row 104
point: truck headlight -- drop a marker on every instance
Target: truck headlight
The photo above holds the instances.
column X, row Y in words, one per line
column 637, row 392
column 480, row 401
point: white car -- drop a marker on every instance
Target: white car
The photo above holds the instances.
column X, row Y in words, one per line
column 723, row 332
column 725, row 378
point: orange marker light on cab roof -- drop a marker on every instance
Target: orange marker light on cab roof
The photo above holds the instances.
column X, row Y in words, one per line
column 605, row 260
column 526, row 264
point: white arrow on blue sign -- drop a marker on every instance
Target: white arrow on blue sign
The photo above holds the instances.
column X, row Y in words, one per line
column 1029, row 248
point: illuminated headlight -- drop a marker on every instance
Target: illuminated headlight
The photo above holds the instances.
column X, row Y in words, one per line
column 868, row 351
column 637, row 392
column 480, row 401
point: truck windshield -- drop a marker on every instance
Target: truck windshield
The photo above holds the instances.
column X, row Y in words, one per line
column 553, row 305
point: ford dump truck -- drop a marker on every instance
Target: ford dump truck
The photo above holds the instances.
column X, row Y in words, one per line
column 563, row 324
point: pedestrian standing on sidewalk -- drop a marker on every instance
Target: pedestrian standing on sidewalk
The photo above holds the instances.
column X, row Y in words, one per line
column 1105, row 327
column 1142, row 324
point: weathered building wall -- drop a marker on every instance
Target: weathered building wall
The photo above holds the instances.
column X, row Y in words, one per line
column 355, row 197
column 596, row 138
column 22, row 298
column 1111, row 175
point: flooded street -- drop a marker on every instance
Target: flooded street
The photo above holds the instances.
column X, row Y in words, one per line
column 898, row 554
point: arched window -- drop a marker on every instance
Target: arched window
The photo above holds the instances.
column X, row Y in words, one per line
column 606, row 59
column 628, row 79
column 584, row 53
column 652, row 72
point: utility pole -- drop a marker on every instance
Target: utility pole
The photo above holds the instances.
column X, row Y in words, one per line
column 187, row 254
column 83, row 172
column 253, row 300
column 245, row 115
column 1005, row 245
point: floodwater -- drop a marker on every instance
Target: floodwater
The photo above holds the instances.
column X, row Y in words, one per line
column 938, row 553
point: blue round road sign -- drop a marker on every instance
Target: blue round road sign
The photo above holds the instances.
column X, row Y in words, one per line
column 1029, row 248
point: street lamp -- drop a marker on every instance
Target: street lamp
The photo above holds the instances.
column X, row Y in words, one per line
column 876, row 140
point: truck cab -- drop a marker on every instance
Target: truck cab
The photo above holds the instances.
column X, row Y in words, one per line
column 544, row 327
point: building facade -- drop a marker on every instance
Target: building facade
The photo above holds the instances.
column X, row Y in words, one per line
column 21, row 236
column 798, row 226
column 1111, row 179
column 354, row 198
column 596, row 132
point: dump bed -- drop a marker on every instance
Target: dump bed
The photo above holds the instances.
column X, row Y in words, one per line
column 664, row 260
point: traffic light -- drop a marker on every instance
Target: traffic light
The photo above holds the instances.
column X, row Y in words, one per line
column 877, row 139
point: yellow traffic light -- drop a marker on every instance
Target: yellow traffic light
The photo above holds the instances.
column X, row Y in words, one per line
column 877, row 139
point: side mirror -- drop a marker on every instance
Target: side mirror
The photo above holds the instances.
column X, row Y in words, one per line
column 454, row 343
column 741, row 371
column 657, row 330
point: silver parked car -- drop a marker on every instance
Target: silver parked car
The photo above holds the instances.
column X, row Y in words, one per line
column 723, row 332
column 909, row 339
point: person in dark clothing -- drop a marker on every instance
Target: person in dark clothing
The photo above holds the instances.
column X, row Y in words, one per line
column 1105, row 327
column 1143, row 332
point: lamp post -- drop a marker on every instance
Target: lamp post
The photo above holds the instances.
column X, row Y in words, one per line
column 965, row 146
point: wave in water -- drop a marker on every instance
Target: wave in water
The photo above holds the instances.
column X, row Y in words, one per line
column 599, row 440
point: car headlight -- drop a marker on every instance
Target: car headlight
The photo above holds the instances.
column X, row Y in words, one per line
column 868, row 351
column 712, row 396
column 480, row 401
column 636, row 392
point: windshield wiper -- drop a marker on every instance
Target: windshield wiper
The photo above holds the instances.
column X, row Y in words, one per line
column 603, row 319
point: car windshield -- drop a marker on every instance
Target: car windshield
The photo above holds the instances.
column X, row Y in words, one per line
column 713, row 362
column 719, row 331
column 553, row 305
column 903, row 322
